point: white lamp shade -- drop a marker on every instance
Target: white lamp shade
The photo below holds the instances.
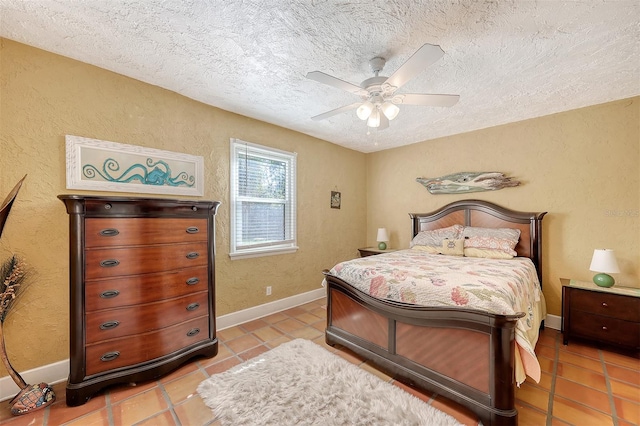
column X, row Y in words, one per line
column 604, row 260
column 364, row 110
column 390, row 110
column 383, row 235
column 374, row 118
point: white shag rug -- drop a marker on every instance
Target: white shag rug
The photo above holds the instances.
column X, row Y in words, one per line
column 301, row 383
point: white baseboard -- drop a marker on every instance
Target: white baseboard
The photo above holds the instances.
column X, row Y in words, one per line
column 553, row 321
column 58, row 371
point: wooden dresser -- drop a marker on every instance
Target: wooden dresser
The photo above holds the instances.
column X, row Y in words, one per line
column 141, row 288
column 609, row 316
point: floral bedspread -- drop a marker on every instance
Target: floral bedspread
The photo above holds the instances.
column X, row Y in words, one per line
column 412, row 276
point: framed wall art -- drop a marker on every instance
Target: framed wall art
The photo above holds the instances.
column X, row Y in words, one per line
column 98, row 165
column 335, row 200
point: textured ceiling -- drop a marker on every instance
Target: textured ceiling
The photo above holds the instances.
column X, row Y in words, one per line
column 508, row 60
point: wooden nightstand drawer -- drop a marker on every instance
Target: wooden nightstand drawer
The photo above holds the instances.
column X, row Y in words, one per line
column 611, row 305
column 607, row 329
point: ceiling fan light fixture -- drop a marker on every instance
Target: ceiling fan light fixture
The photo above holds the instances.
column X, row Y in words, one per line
column 390, row 110
column 364, row 110
column 374, row 118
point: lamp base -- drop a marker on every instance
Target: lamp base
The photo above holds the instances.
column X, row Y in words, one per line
column 382, row 246
column 603, row 280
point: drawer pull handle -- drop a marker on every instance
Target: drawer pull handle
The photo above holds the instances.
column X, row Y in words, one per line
column 109, row 325
column 193, row 332
column 107, row 206
column 193, row 306
column 604, row 328
column 109, row 263
column 193, row 281
column 109, row 232
column 109, row 294
column 604, row 304
column 192, row 230
column 109, row 356
column 193, row 255
column 194, row 208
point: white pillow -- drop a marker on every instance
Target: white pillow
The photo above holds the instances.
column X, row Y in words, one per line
column 435, row 237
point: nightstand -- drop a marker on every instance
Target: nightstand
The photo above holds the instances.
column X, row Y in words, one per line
column 610, row 316
column 372, row 251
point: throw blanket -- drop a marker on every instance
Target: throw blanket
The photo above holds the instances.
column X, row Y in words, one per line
column 498, row 286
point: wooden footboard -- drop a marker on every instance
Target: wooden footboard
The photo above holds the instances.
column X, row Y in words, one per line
column 464, row 355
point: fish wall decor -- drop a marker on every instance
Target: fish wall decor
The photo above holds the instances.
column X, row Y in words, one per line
column 464, row 182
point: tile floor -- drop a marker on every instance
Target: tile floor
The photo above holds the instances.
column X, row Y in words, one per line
column 580, row 385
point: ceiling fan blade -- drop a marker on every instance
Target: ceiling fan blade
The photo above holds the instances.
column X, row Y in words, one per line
column 329, row 80
column 425, row 99
column 336, row 111
column 425, row 56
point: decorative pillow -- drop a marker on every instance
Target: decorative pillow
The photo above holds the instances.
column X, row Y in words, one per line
column 428, row 249
column 452, row 247
column 505, row 233
column 486, row 253
column 435, row 237
column 492, row 243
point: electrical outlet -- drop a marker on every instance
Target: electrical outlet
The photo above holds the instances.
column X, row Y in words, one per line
column 268, row 290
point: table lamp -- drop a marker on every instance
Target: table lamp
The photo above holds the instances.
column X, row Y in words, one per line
column 382, row 239
column 604, row 262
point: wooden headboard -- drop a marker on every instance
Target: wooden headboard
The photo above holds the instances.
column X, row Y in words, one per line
column 488, row 215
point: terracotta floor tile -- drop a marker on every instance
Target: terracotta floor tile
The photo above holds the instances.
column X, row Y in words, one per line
column 184, row 370
column 463, row 415
column 277, row 342
column 35, row 418
column 243, row 343
column 621, row 360
column 625, row 390
column 581, row 349
column 267, row 333
column 230, row 333
column 624, row 374
column 623, row 422
column 581, row 375
column 194, row 412
column 581, row 361
column 294, row 312
column 545, row 381
column 528, row 416
column 223, row 365
column 320, row 326
column 557, row 422
column 628, row 410
column 60, row 413
column 184, row 387
column 548, row 337
column 289, row 325
column 254, row 325
column 350, row 356
column 118, row 393
column 274, row 318
column 578, row 414
column 139, row 407
column 320, row 312
column 163, row 419
column 308, row 318
column 253, row 352
column 308, row 333
column 373, row 370
column 95, row 418
column 546, row 351
column 533, row 396
column 546, row 364
column 583, row 394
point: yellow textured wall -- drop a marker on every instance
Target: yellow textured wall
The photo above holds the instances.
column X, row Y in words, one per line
column 580, row 166
column 46, row 96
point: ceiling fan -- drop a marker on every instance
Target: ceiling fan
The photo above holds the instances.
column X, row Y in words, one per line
column 379, row 99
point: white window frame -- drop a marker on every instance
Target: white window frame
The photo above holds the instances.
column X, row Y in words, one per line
column 290, row 158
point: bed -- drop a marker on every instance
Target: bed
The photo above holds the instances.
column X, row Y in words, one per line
column 465, row 354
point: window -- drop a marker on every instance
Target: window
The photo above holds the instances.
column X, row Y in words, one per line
column 263, row 200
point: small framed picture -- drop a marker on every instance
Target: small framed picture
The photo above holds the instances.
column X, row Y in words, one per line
column 335, row 200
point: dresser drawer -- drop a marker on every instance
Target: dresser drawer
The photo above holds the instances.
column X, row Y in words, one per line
column 606, row 304
column 109, row 232
column 129, row 351
column 138, row 289
column 112, row 262
column 112, row 323
column 605, row 329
